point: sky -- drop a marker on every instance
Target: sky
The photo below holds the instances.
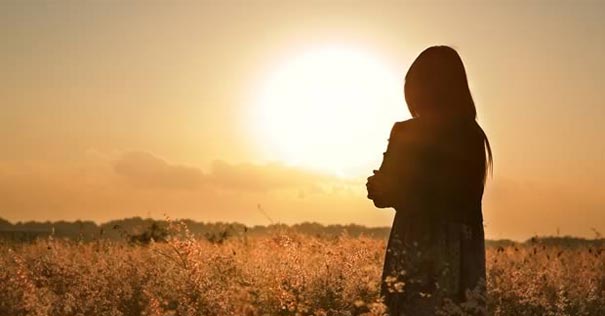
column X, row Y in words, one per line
column 277, row 111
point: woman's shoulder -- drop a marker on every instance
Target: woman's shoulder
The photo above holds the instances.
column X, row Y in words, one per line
column 406, row 124
column 408, row 129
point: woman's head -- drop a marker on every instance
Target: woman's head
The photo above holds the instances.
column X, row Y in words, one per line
column 436, row 85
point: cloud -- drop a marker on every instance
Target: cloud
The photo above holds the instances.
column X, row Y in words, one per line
column 102, row 187
column 122, row 184
column 275, row 176
column 145, row 170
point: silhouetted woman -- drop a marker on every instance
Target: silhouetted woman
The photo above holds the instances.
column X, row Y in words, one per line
column 433, row 174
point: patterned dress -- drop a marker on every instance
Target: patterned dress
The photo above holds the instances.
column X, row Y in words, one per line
column 435, row 258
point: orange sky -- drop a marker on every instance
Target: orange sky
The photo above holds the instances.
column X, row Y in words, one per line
column 114, row 110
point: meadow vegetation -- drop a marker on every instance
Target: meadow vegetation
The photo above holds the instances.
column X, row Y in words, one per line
column 281, row 273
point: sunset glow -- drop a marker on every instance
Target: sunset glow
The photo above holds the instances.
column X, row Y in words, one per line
column 207, row 109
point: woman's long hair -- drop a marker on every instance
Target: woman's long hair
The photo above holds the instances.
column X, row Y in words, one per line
column 436, row 87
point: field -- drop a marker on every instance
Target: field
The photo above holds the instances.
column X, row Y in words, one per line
column 279, row 274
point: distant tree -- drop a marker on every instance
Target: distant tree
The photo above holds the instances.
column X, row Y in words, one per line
column 155, row 232
column 5, row 225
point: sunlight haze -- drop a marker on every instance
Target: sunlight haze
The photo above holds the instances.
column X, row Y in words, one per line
column 329, row 109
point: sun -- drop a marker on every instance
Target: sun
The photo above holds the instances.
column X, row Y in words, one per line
column 329, row 109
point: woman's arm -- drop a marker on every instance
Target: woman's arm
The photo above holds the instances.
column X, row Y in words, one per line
column 382, row 184
column 391, row 184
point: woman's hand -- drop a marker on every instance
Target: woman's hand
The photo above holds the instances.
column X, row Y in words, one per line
column 379, row 186
column 371, row 185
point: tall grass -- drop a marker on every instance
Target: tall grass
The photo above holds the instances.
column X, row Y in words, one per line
column 280, row 274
